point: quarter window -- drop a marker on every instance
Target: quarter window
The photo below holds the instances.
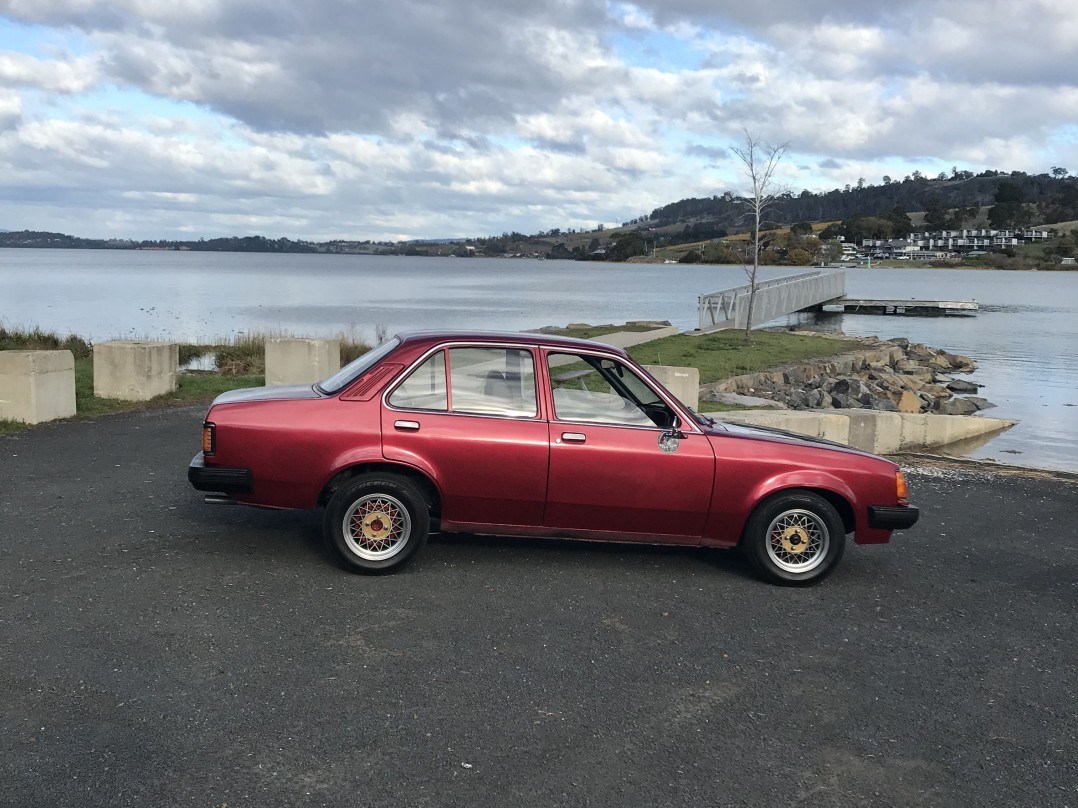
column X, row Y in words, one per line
column 425, row 388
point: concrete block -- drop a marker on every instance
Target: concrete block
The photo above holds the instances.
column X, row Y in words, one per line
column 301, row 361
column 943, row 429
column 829, row 426
column 135, row 370
column 870, row 430
column 684, row 383
column 37, row 386
column 913, row 433
column 876, row 432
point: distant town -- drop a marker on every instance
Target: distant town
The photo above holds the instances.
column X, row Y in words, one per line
column 994, row 219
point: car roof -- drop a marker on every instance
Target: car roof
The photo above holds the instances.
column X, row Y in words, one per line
column 525, row 337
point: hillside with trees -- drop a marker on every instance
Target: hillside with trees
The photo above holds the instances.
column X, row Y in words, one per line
column 801, row 228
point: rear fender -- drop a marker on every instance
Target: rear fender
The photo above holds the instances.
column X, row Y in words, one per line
column 349, row 463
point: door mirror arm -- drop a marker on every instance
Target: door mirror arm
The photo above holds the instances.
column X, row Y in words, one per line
column 675, row 429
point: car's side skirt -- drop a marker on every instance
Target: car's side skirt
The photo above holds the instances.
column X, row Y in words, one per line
column 485, row 529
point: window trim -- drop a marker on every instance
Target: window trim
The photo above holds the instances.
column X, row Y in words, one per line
column 446, row 346
column 407, row 374
column 688, row 424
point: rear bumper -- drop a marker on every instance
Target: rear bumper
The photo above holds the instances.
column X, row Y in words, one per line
column 892, row 517
column 219, row 479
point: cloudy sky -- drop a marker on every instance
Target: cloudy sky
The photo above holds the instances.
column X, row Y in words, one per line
column 427, row 118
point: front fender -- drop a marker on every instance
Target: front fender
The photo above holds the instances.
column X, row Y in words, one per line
column 737, row 498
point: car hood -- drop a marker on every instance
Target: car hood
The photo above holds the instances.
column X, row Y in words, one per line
column 781, row 436
column 275, row 393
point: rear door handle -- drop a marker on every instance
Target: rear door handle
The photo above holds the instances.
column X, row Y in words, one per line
column 410, row 426
column 573, row 437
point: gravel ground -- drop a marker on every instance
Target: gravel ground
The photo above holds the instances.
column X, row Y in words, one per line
column 155, row 650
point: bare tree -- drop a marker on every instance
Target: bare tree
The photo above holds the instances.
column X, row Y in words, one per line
column 760, row 160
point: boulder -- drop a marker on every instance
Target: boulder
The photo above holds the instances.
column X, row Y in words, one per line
column 909, row 368
column 956, row 406
column 889, row 376
column 936, row 391
column 940, row 361
column 962, row 386
column 883, row 405
column 909, row 402
column 980, row 403
column 959, row 362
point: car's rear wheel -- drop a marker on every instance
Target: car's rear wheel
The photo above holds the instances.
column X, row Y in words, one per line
column 795, row 538
column 377, row 523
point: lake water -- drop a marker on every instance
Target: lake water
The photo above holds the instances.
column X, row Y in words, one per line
column 1025, row 337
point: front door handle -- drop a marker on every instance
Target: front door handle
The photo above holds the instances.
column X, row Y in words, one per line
column 410, row 426
column 573, row 437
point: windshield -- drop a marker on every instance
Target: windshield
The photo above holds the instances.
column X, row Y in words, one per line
column 353, row 370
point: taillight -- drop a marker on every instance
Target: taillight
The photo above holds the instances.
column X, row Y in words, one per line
column 902, row 491
column 209, row 438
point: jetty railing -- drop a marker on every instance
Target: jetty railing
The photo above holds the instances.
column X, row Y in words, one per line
column 774, row 298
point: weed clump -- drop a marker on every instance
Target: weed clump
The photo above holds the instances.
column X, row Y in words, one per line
column 35, row 339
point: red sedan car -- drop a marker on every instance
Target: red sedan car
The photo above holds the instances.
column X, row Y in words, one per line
column 534, row 435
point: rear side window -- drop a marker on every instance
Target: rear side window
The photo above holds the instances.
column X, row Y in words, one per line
column 425, row 387
column 477, row 381
column 493, row 381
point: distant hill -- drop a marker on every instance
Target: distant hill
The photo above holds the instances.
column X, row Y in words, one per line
column 1056, row 199
column 690, row 227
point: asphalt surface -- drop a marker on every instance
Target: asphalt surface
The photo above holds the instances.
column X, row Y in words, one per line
column 158, row 651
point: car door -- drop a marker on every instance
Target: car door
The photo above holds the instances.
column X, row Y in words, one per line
column 469, row 416
column 615, row 467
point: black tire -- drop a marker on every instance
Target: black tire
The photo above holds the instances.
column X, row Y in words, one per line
column 376, row 523
column 795, row 538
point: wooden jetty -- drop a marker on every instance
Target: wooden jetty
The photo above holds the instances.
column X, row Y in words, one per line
column 911, row 308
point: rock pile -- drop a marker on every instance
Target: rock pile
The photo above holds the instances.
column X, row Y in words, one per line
column 894, row 375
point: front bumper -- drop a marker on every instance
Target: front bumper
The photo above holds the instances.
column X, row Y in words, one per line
column 219, row 479
column 892, row 517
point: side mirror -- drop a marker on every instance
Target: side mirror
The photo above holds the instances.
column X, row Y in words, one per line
column 670, row 439
column 674, row 430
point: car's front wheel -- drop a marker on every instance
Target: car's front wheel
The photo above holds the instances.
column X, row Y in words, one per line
column 377, row 523
column 795, row 538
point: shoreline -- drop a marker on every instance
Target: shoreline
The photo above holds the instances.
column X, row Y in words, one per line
column 205, row 395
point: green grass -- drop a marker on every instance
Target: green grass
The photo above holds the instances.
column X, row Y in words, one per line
column 725, row 354
column 591, row 332
column 9, row 427
column 192, row 388
column 718, row 356
column 242, row 371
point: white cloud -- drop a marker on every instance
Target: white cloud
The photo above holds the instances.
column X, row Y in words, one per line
column 74, row 76
column 362, row 118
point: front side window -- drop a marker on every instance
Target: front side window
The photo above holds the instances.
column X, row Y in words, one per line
column 425, row 387
column 493, row 381
column 605, row 391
